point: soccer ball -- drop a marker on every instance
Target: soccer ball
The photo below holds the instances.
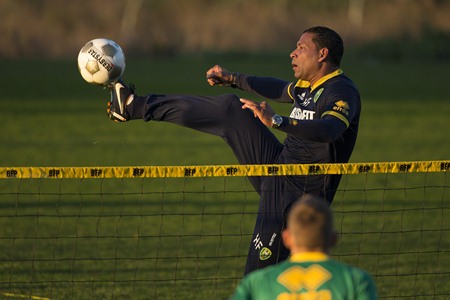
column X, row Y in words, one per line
column 101, row 61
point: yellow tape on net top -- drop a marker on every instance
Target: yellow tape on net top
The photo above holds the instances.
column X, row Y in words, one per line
column 224, row 170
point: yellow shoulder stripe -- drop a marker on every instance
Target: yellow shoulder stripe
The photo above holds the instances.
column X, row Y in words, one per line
column 325, row 78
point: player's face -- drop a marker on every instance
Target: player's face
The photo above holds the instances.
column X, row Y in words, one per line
column 306, row 58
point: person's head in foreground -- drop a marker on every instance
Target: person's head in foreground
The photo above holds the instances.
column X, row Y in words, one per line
column 310, row 226
column 309, row 273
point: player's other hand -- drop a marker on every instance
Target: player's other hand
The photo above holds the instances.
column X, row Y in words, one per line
column 220, row 76
column 262, row 110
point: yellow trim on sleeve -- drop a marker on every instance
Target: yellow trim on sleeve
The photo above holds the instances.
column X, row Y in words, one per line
column 289, row 92
column 337, row 115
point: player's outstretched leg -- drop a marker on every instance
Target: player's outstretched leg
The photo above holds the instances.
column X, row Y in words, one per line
column 222, row 115
column 251, row 141
column 121, row 96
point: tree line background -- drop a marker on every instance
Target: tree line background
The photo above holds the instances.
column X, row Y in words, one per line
column 386, row 28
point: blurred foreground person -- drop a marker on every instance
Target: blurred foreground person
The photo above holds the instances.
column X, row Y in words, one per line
column 309, row 273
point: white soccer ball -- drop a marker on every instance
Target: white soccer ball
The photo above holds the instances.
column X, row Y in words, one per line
column 101, row 61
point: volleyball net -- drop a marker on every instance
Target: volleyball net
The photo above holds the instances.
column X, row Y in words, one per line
column 165, row 232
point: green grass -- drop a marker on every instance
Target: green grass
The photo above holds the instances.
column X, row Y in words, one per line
column 185, row 238
column 54, row 118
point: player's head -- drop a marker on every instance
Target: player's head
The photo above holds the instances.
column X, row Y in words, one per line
column 310, row 225
column 325, row 37
column 318, row 52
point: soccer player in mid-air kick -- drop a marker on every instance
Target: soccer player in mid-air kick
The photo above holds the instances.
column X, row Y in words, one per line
column 321, row 128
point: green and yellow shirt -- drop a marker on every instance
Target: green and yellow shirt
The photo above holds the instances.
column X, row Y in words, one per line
column 312, row 275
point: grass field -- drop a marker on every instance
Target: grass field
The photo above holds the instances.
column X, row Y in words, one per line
column 51, row 112
column 186, row 238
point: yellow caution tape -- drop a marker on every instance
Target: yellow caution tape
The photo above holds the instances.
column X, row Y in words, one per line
column 224, row 170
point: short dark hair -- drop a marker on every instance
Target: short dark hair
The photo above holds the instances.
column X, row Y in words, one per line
column 310, row 220
column 330, row 39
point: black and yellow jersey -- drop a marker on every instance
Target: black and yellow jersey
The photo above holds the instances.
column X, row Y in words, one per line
column 323, row 123
column 326, row 115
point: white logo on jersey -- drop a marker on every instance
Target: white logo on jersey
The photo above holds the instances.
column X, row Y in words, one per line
column 304, row 102
column 257, row 242
column 299, row 114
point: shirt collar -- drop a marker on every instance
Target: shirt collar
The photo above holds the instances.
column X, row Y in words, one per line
column 306, row 84
column 309, row 257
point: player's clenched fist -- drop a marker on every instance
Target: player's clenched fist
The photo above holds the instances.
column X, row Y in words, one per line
column 220, row 76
